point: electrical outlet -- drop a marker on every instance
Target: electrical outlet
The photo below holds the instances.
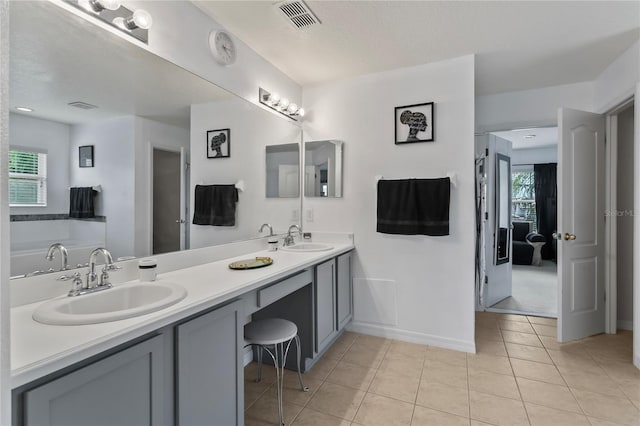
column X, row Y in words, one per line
column 295, row 215
column 309, row 215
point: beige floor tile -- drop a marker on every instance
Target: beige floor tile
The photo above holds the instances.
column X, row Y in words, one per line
column 447, row 356
column 494, row 384
column 440, row 372
column 497, row 410
column 622, row 372
column 336, row 400
column 395, row 386
column 321, row 369
column 613, row 353
column 291, row 390
column 495, row 364
column 587, row 380
column 365, row 355
column 254, row 390
column 488, row 334
column 543, row 321
column 491, row 348
column 401, row 364
column 600, row 422
column 372, row 341
column 619, row 410
column 490, row 323
column 530, row 353
column 554, row 396
column 309, row 417
column 268, row 372
column 337, row 350
column 265, row 411
column 444, row 398
column 478, row 423
column 521, row 338
column 552, row 343
column 537, row 371
column 378, row 410
column 351, row 375
column 545, row 416
column 580, row 360
column 425, row 416
column 347, row 337
column 546, row 330
column 632, row 391
column 407, row 349
column 521, row 327
column 514, row 317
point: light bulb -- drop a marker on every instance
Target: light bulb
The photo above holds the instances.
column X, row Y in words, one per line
column 142, row 19
column 274, row 98
column 85, row 4
column 285, row 103
column 292, row 108
column 110, row 4
column 301, row 112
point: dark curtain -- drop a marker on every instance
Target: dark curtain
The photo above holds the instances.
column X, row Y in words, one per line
column 545, row 178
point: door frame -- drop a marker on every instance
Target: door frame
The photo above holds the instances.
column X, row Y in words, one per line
column 183, row 196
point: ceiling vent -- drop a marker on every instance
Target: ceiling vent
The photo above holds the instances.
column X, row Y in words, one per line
column 298, row 13
column 82, row 105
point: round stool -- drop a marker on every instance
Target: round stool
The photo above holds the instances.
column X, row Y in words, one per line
column 274, row 335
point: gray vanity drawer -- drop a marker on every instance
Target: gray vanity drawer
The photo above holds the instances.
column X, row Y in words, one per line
column 270, row 294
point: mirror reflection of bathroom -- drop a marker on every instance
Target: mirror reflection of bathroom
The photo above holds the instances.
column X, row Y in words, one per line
column 323, row 169
column 527, row 281
column 283, row 170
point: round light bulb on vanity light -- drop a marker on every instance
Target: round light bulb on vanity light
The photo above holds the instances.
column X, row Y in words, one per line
column 301, row 112
column 292, row 108
column 274, row 98
column 142, row 19
column 110, row 4
column 284, row 103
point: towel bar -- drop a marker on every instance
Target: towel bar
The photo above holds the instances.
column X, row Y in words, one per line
column 453, row 177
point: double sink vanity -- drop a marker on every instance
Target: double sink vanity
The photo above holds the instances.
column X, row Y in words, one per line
column 172, row 351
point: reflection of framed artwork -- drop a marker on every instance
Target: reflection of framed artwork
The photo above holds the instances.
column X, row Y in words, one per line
column 414, row 123
column 219, row 143
column 86, row 156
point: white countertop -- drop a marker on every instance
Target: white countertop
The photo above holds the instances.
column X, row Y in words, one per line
column 39, row 349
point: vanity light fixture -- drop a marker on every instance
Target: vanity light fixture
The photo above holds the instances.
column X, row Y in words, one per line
column 24, row 109
column 282, row 105
column 135, row 23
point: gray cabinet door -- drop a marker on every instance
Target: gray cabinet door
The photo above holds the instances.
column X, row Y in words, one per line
column 325, row 303
column 209, row 376
column 124, row 389
column 345, row 290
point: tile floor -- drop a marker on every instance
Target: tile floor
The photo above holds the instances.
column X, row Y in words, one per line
column 519, row 376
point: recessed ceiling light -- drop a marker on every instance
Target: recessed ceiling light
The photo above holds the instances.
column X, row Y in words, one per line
column 24, row 109
column 529, row 136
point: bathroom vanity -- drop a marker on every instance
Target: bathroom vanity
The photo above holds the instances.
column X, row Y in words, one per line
column 182, row 365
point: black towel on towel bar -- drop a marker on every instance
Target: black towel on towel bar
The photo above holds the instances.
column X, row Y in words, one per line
column 81, row 202
column 215, row 205
column 414, row 206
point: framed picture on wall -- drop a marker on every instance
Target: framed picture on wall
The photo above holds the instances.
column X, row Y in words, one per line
column 86, row 155
column 219, row 143
column 414, row 123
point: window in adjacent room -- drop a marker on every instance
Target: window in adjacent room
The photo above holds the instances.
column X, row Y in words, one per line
column 27, row 178
column 523, row 202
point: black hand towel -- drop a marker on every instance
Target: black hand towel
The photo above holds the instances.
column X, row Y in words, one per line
column 414, row 206
column 215, row 205
column 81, row 202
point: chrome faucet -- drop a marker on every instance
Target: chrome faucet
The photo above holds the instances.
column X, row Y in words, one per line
column 64, row 255
column 288, row 240
column 92, row 277
column 267, row 226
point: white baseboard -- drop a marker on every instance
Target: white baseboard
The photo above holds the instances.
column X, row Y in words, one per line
column 625, row 325
column 412, row 336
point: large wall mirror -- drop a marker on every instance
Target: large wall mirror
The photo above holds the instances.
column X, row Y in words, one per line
column 503, row 209
column 147, row 121
column 323, row 168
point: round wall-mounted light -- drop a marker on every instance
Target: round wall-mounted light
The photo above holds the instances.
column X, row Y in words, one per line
column 301, row 112
column 139, row 19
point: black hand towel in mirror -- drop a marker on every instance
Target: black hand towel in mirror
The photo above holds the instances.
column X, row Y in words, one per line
column 414, row 206
column 215, row 205
column 81, row 202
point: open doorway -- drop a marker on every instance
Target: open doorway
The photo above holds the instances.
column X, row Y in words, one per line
column 166, row 201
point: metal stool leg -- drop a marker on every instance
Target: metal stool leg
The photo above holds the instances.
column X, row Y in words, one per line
column 279, row 379
column 302, row 386
column 260, row 349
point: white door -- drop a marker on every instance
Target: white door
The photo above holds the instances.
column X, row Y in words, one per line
column 288, row 181
column 184, row 199
column 581, row 184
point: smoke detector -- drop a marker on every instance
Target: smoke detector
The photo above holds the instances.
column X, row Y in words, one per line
column 82, row 105
column 298, row 13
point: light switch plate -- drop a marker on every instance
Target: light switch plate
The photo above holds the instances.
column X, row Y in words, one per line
column 309, row 215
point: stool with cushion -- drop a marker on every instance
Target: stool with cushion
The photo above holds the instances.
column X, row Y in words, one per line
column 537, row 241
column 274, row 335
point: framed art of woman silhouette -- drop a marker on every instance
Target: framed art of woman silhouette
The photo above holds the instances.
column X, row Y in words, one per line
column 414, row 123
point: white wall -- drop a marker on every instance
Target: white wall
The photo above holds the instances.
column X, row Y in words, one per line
column 624, row 220
column 180, row 33
column 150, row 134
column 113, row 142
column 617, row 82
column 53, row 138
column 415, row 288
column 535, row 155
column 251, row 130
column 531, row 108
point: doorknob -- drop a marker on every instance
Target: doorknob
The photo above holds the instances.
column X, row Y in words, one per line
column 556, row 236
column 568, row 236
column 179, row 220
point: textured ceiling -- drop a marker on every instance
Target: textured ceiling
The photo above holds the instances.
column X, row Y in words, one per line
column 539, row 137
column 519, row 45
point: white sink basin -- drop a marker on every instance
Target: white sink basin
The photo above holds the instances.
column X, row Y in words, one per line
column 308, row 247
column 123, row 301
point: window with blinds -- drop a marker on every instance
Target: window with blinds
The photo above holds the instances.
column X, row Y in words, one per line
column 27, row 179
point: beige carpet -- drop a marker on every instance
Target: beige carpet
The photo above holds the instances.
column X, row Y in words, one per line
column 535, row 290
